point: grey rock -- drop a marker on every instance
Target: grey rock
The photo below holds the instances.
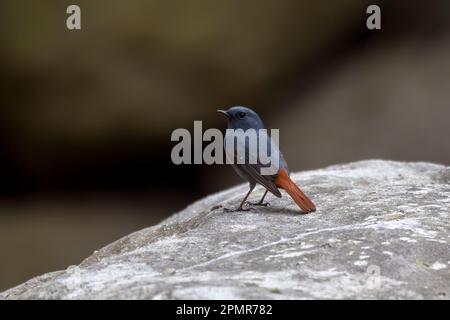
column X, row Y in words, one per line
column 381, row 232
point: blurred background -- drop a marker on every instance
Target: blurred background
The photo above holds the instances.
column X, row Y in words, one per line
column 86, row 116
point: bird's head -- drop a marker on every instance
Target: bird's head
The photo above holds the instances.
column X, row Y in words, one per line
column 242, row 118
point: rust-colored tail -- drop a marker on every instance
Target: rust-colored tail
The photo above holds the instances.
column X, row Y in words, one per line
column 284, row 181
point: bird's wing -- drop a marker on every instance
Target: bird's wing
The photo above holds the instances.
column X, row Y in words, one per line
column 253, row 170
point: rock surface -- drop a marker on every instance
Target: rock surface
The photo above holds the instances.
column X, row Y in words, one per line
column 381, row 232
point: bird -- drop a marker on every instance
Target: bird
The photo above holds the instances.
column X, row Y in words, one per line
column 244, row 118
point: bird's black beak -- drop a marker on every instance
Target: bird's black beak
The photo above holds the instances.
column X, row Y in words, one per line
column 224, row 113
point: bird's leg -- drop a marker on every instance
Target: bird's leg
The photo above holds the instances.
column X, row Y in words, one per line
column 240, row 208
column 252, row 186
column 261, row 202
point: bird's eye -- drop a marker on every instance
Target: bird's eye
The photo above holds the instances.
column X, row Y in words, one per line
column 241, row 115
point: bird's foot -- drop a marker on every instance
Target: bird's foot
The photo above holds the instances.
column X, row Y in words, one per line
column 236, row 210
column 261, row 204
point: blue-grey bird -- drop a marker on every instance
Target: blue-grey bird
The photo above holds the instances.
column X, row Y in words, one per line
column 245, row 118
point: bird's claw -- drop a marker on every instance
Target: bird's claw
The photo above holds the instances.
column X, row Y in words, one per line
column 236, row 210
column 261, row 204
